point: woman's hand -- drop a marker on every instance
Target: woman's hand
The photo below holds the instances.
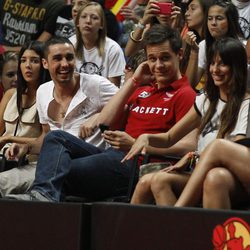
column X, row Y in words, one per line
column 118, row 139
column 191, row 39
column 16, row 151
column 129, row 14
column 139, row 146
column 175, row 17
column 181, row 165
column 151, row 10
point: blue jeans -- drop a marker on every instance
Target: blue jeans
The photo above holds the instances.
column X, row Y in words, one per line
column 67, row 163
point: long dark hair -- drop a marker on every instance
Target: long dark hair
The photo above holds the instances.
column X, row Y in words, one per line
column 232, row 15
column 21, row 83
column 233, row 54
column 205, row 4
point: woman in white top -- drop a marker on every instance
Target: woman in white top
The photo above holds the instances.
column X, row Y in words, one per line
column 19, row 121
column 95, row 52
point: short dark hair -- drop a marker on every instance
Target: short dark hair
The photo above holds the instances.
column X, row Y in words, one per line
column 53, row 41
column 158, row 34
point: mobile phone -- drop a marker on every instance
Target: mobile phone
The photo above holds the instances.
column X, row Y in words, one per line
column 103, row 127
column 165, row 8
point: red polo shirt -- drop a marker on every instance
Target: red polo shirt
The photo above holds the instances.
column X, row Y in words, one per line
column 153, row 110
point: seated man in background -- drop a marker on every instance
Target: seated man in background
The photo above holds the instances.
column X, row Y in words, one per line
column 71, row 165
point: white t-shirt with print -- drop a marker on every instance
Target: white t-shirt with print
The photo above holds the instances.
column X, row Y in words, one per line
column 212, row 128
column 112, row 65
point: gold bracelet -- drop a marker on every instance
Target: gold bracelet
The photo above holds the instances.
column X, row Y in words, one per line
column 133, row 39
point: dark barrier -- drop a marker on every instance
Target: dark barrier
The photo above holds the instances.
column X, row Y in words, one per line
column 44, row 226
column 117, row 226
column 127, row 227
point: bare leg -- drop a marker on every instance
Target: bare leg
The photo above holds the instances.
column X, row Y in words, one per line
column 166, row 187
column 142, row 193
column 220, row 153
column 218, row 185
column 221, row 188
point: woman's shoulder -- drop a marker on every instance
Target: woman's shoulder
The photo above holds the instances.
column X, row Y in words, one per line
column 9, row 93
column 111, row 43
column 247, row 95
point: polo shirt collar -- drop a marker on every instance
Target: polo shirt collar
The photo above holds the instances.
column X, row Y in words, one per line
column 183, row 81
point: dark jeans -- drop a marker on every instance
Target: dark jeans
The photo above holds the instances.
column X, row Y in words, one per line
column 70, row 164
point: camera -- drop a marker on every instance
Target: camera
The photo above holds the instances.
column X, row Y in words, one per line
column 165, row 8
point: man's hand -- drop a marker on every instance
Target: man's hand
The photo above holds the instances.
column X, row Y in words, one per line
column 16, row 151
column 88, row 127
column 118, row 139
column 143, row 74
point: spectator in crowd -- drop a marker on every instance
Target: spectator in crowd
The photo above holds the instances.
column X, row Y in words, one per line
column 130, row 15
column 23, row 21
column 8, row 71
column 95, row 52
column 65, row 26
column 243, row 7
column 151, row 16
column 221, row 21
column 221, row 112
column 195, row 20
column 81, row 169
column 113, row 30
column 19, row 120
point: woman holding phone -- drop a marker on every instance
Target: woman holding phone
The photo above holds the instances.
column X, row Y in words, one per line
column 164, row 12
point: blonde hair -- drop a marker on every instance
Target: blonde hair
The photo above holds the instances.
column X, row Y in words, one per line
column 100, row 44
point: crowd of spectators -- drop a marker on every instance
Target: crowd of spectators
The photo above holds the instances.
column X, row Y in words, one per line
column 139, row 67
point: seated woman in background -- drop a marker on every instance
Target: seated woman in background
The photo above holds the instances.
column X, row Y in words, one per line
column 95, row 52
column 220, row 112
column 221, row 21
column 8, row 71
column 19, row 121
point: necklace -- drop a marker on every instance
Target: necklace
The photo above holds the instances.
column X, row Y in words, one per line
column 63, row 113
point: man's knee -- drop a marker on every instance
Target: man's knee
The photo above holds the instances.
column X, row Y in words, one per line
column 56, row 135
